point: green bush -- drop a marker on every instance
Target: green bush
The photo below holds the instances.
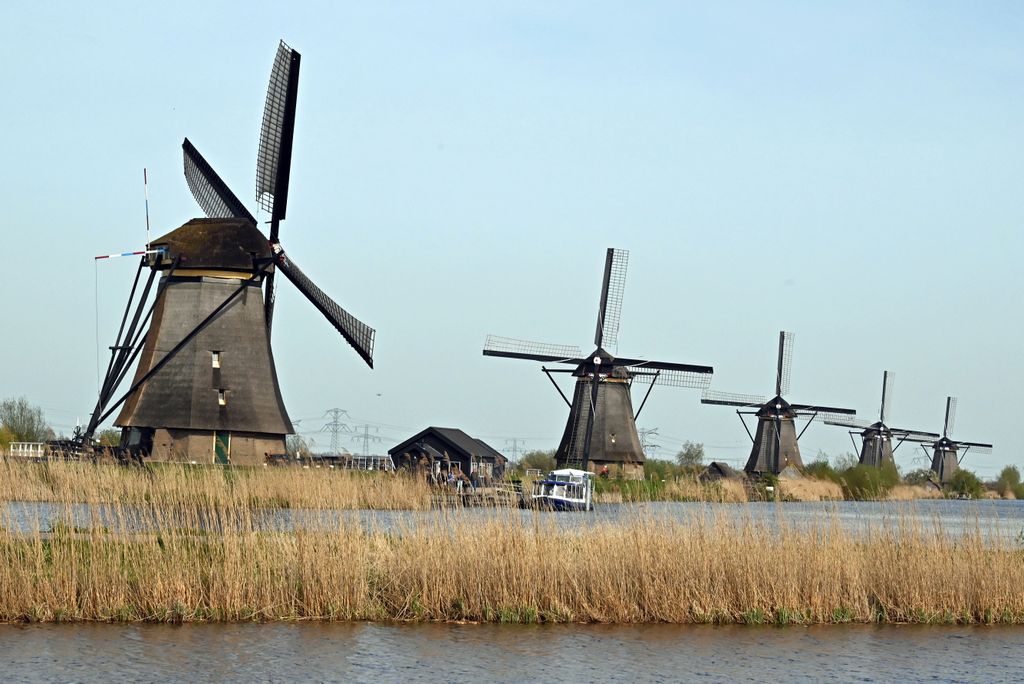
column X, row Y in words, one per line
column 965, row 483
column 821, row 469
column 1009, row 483
column 867, row 482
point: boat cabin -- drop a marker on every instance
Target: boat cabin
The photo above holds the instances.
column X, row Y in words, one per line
column 567, row 489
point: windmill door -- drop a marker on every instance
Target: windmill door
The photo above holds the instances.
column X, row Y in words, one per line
column 221, row 447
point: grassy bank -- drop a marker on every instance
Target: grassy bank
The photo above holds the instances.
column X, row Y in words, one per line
column 174, row 484
column 204, row 558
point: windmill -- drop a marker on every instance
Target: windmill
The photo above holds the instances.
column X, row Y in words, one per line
column 945, row 461
column 206, row 388
column 776, row 440
column 877, row 438
column 601, row 429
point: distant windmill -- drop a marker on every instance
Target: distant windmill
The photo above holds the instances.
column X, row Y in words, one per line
column 944, row 450
column 601, row 430
column 877, row 438
column 775, row 441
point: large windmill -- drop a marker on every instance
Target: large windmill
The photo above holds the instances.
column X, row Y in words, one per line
column 205, row 388
column 877, row 438
column 775, row 440
column 601, row 430
column 945, row 461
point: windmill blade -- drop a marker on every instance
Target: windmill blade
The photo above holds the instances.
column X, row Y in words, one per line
column 977, row 447
column 828, row 412
column 644, row 364
column 854, row 423
column 610, row 306
column 920, row 437
column 785, row 363
column 273, row 161
column 358, row 334
column 732, row 399
column 670, row 378
column 212, row 194
column 950, row 416
column 509, row 347
column 888, row 377
column 916, row 435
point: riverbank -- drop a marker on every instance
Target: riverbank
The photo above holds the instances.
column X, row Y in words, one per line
column 175, row 484
column 211, row 564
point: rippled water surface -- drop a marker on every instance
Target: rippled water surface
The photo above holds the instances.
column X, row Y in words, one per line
column 1004, row 519
column 513, row 653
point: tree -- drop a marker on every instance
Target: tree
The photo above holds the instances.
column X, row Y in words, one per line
column 110, row 437
column 1009, row 482
column 24, row 422
column 691, row 456
column 538, row 460
column 296, row 447
column 920, row 477
column 846, row 461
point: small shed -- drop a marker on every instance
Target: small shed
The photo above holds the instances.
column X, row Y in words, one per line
column 718, row 470
column 438, row 451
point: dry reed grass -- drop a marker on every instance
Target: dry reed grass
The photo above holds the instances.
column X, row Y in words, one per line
column 208, row 558
column 684, row 488
column 810, row 489
column 912, row 492
column 172, row 483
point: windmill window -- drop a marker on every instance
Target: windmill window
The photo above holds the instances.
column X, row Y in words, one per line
column 215, row 356
column 222, row 397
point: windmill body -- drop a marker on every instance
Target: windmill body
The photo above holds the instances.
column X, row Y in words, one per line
column 775, row 440
column 218, row 397
column 944, row 459
column 877, row 447
column 600, row 434
column 614, row 440
column 775, row 446
column 205, row 388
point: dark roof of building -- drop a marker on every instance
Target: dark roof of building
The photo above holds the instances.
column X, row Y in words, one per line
column 718, row 470
column 456, row 439
column 222, row 243
column 489, row 450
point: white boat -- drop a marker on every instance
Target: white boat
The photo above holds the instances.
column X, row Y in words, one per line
column 567, row 489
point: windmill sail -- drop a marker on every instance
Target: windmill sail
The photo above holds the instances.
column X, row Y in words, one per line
column 950, row 416
column 212, row 193
column 610, row 307
column 732, row 398
column 509, row 347
column 357, row 333
column 888, row 378
column 785, row 363
column 273, row 161
column 853, row 423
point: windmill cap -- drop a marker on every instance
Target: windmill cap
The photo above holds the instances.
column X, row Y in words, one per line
column 769, row 409
column 217, row 243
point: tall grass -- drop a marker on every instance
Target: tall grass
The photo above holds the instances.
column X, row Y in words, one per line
column 205, row 556
column 172, row 483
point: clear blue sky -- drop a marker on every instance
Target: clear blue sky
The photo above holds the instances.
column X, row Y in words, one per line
column 847, row 171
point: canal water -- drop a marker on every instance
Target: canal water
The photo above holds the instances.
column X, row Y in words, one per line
column 996, row 518
column 368, row 652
